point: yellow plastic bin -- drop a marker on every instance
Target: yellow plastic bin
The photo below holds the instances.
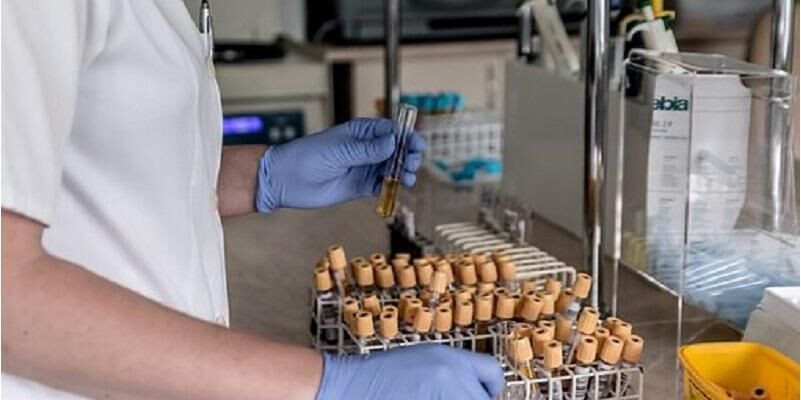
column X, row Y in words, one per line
column 712, row 368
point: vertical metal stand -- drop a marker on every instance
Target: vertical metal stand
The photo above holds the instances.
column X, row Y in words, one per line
column 778, row 135
column 596, row 110
column 392, row 31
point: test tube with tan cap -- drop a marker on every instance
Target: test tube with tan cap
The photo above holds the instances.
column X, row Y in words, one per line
column 505, row 306
column 467, row 274
column 531, row 306
column 370, row 303
column 488, row 272
column 539, row 337
column 385, row 280
column 632, row 352
column 365, row 277
column 412, row 305
column 552, row 361
column 388, row 328
column 339, row 265
column 579, row 291
column 462, row 319
column 585, row 356
column 423, row 319
column 507, row 272
column 350, row 307
column 424, row 272
column 364, row 325
column 323, row 285
column 609, row 358
column 587, row 324
column 438, row 287
column 601, row 334
column 553, row 286
column 484, row 319
column 521, row 354
column 548, row 305
column 443, row 321
column 622, row 330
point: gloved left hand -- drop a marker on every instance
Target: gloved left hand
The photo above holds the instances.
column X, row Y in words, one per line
column 342, row 163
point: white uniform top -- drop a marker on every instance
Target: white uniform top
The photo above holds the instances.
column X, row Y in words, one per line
column 111, row 136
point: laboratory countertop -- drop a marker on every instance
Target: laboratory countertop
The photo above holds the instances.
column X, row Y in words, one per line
column 270, row 259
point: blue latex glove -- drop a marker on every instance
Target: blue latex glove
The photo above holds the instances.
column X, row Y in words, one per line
column 341, row 163
column 423, row 372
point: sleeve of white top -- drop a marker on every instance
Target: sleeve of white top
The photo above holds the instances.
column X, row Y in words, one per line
column 45, row 47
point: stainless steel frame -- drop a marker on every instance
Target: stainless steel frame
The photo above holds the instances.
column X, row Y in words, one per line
column 392, row 30
column 596, row 109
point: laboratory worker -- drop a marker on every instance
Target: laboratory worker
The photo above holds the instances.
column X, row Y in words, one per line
column 113, row 184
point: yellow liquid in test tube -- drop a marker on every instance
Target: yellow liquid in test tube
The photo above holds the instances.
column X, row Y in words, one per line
column 386, row 200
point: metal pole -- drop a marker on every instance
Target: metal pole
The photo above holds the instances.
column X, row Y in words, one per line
column 778, row 135
column 392, row 31
column 596, row 110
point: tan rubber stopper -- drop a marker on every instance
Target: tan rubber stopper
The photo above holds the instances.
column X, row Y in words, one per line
column 403, row 301
column 364, row 324
column 336, row 256
column 418, row 262
column 611, row 350
column 548, row 303
column 444, row 266
column 403, row 256
column 505, row 307
column 378, row 259
column 632, row 349
column 463, row 314
column 443, row 319
column 506, row 270
column 622, row 330
column 467, row 274
column 587, row 349
column 370, row 303
column 322, row 280
column 485, row 287
column 384, row 276
column 563, row 328
column 479, row 259
column 389, row 325
column 483, row 307
column 587, row 321
column 564, row 300
column 398, row 264
column 463, row 295
column 532, row 305
column 422, row 320
column 553, row 355
column 390, row 309
column 539, row 337
column 406, row 277
column 364, row 275
column 582, row 285
column 528, row 285
column 522, row 330
column 601, row 334
column 553, row 286
column 610, row 323
column 439, row 282
column 355, row 262
column 424, row 274
column 412, row 306
column 521, row 349
column 488, row 272
column 549, row 325
column 446, row 301
column 349, row 307
column 501, row 292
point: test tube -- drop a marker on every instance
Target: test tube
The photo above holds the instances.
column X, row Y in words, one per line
column 406, row 118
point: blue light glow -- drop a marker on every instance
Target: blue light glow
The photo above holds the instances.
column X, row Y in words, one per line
column 242, row 125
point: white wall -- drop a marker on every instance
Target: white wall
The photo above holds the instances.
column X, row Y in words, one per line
column 255, row 19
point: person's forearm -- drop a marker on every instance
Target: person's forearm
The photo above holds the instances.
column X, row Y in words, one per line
column 73, row 330
column 238, row 179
